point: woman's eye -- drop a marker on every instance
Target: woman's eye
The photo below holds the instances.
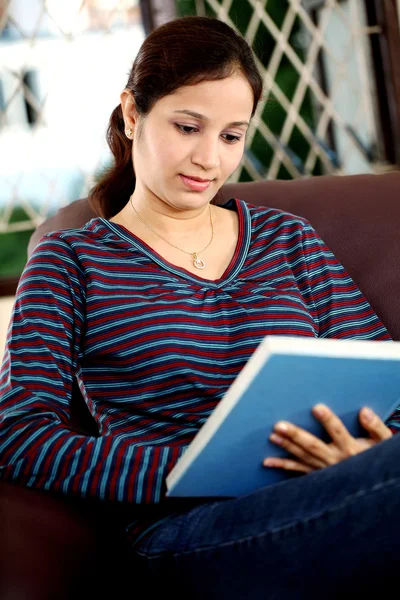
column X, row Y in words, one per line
column 185, row 128
column 232, row 139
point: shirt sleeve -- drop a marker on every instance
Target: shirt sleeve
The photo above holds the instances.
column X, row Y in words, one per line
column 38, row 446
column 339, row 308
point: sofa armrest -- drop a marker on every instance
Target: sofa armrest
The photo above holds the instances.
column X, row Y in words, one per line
column 50, row 547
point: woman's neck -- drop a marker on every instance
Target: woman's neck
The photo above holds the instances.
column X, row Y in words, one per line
column 174, row 222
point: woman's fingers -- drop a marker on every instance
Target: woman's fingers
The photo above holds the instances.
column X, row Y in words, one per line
column 287, row 464
column 334, row 427
column 374, row 425
column 298, row 440
column 311, row 453
column 299, row 452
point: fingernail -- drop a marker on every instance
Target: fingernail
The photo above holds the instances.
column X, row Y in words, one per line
column 319, row 410
column 281, row 426
column 269, row 462
column 367, row 414
column 276, row 438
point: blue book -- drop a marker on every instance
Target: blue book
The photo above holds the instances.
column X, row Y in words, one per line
column 284, row 378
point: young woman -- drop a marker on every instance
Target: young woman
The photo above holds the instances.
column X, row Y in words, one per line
column 155, row 307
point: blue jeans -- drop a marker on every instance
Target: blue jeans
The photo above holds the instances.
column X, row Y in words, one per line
column 334, row 533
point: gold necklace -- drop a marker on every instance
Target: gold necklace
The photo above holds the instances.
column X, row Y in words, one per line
column 197, row 262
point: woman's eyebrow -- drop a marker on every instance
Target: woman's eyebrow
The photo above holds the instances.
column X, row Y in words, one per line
column 204, row 118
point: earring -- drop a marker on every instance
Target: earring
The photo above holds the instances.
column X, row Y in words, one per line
column 128, row 132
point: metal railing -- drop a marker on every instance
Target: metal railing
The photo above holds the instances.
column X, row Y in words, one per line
column 331, row 109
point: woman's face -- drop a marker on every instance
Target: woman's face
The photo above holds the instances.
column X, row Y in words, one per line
column 196, row 132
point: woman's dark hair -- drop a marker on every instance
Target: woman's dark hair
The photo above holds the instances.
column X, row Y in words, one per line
column 181, row 52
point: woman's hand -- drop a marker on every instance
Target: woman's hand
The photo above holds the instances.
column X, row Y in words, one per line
column 310, row 453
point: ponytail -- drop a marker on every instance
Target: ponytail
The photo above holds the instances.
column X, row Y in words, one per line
column 113, row 190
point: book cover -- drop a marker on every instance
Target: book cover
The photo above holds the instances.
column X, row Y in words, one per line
column 284, row 378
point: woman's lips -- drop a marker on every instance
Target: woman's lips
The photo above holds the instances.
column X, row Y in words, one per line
column 197, row 186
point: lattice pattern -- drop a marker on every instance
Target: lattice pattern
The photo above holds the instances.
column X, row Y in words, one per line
column 307, row 126
column 58, row 64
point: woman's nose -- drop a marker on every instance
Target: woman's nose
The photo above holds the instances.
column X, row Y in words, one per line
column 206, row 154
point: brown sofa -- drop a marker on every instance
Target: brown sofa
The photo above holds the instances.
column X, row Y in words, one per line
column 51, row 547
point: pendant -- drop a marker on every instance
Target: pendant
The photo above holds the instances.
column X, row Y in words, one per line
column 198, row 263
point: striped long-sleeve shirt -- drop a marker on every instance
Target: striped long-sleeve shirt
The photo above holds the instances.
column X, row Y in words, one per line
column 153, row 346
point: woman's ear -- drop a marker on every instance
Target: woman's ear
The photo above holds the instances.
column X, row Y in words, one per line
column 129, row 112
